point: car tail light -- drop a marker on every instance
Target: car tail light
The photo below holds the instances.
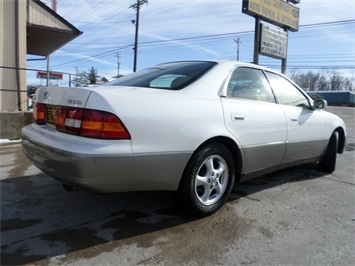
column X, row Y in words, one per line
column 103, row 125
column 68, row 119
column 84, row 122
column 39, row 113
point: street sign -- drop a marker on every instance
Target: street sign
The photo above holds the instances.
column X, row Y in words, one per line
column 273, row 42
column 277, row 12
column 52, row 75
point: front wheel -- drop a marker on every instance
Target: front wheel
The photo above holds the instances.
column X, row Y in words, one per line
column 208, row 180
column 328, row 163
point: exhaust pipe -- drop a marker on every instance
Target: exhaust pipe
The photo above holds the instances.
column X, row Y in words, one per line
column 69, row 188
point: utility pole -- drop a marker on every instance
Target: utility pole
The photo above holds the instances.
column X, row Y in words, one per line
column 284, row 61
column 137, row 6
column 256, row 40
column 48, row 71
column 76, row 76
column 238, row 42
column 118, row 64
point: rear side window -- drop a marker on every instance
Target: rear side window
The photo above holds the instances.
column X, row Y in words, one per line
column 169, row 76
column 249, row 83
column 285, row 92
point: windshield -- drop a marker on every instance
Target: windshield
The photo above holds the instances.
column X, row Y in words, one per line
column 170, row 76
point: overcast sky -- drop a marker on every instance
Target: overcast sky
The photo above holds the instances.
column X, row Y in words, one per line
column 196, row 29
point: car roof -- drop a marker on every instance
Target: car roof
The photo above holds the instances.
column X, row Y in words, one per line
column 231, row 63
column 239, row 63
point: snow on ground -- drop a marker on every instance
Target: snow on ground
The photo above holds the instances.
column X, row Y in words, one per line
column 5, row 141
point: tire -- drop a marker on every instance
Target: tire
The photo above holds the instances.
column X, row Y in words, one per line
column 328, row 163
column 207, row 181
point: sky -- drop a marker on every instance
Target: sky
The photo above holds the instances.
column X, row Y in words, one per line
column 173, row 30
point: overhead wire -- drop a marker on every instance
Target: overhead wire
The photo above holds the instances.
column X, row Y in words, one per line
column 207, row 38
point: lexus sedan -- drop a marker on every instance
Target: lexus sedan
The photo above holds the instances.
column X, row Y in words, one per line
column 193, row 127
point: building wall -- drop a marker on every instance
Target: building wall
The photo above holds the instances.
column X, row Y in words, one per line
column 10, row 56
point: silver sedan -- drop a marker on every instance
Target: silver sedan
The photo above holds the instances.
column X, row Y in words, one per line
column 194, row 127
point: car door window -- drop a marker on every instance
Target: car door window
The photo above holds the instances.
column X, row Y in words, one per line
column 249, row 83
column 285, row 92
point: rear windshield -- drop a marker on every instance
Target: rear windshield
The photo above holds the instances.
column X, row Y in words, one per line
column 169, row 76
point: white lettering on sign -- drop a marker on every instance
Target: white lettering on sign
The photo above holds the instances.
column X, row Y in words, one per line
column 273, row 42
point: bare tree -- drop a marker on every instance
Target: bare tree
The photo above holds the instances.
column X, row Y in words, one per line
column 327, row 79
column 323, row 80
column 322, row 84
column 306, row 81
column 294, row 74
column 313, row 79
column 349, row 82
column 348, row 86
column 336, row 80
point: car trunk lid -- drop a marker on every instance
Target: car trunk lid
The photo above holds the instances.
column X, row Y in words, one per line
column 63, row 96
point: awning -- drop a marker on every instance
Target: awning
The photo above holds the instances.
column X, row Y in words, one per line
column 46, row 30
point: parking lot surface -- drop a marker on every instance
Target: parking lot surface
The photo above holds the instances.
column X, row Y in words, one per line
column 294, row 216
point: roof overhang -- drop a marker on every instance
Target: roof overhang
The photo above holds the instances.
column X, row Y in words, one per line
column 46, row 30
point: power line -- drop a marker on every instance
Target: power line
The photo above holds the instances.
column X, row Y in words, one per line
column 232, row 34
column 201, row 38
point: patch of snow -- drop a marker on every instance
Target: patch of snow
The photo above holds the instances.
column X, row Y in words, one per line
column 5, row 141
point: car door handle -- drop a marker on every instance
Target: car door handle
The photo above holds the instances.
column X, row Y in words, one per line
column 293, row 119
column 237, row 117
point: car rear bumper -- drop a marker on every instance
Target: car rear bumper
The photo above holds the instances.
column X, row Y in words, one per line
column 102, row 166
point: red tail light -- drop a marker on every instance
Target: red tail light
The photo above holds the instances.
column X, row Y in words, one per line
column 39, row 113
column 103, row 125
column 68, row 119
column 84, row 122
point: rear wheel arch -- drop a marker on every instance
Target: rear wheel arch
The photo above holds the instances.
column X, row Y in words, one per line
column 328, row 162
column 208, row 179
column 233, row 149
column 341, row 144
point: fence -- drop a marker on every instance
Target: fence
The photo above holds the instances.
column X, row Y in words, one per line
column 18, row 97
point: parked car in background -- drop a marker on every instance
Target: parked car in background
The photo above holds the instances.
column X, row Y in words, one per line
column 193, row 127
column 31, row 90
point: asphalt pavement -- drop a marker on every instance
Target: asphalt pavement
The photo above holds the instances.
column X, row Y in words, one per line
column 297, row 216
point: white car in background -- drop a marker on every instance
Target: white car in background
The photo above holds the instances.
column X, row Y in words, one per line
column 194, row 127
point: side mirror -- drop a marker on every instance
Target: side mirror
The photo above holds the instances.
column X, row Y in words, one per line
column 320, row 104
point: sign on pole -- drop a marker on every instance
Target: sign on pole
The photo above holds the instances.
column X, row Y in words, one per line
column 273, row 42
column 52, row 75
column 277, row 12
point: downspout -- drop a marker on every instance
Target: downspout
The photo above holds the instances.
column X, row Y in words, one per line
column 17, row 57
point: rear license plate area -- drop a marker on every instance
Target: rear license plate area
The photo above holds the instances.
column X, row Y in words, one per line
column 51, row 115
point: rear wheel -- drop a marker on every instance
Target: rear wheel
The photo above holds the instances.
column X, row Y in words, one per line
column 208, row 180
column 328, row 163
